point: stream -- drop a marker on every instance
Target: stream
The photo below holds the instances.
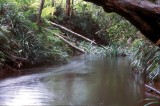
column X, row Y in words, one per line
column 88, row 80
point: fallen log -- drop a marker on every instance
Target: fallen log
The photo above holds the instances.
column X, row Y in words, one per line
column 74, row 33
column 62, row 37
column 67, row 38
column 70, row 44
column 66, row 41
column 151, row 88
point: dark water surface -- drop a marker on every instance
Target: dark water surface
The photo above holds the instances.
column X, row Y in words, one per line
column 87, row 80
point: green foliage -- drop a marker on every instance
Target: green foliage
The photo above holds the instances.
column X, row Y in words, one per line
column 115, row 27
column 145, row 56
column 48, row 11
column 92, row 49
column 21, row 36
column 91, row 20
column 116, row 50
column 150, row 101
column 2, row 59
column 110, row 50
column 120, row 29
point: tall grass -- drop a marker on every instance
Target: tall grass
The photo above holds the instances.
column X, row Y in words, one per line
column 146, row 56
column 21, row 36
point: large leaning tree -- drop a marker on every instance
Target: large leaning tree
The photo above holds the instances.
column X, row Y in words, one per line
column 143, row 14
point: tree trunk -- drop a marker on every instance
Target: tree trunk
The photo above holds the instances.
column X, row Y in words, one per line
column 40, row 11
column 144, row 15
column 72, row 9
column 52, row 3
column 68, row 8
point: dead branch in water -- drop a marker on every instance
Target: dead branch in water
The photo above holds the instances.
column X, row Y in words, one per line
column 151, row 88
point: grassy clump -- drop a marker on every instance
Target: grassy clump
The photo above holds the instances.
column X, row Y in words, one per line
column 145, row 57
column 20, row 36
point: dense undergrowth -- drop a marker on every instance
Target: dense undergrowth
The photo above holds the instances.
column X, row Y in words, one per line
column 93, row 22
column 24, row 42
column 146, row 58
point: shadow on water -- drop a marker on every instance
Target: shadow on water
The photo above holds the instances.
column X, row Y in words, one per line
column 87, row 80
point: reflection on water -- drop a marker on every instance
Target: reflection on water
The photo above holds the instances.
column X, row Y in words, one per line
column 87, row 80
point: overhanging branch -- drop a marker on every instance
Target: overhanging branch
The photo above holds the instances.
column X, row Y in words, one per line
column 144, row 15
